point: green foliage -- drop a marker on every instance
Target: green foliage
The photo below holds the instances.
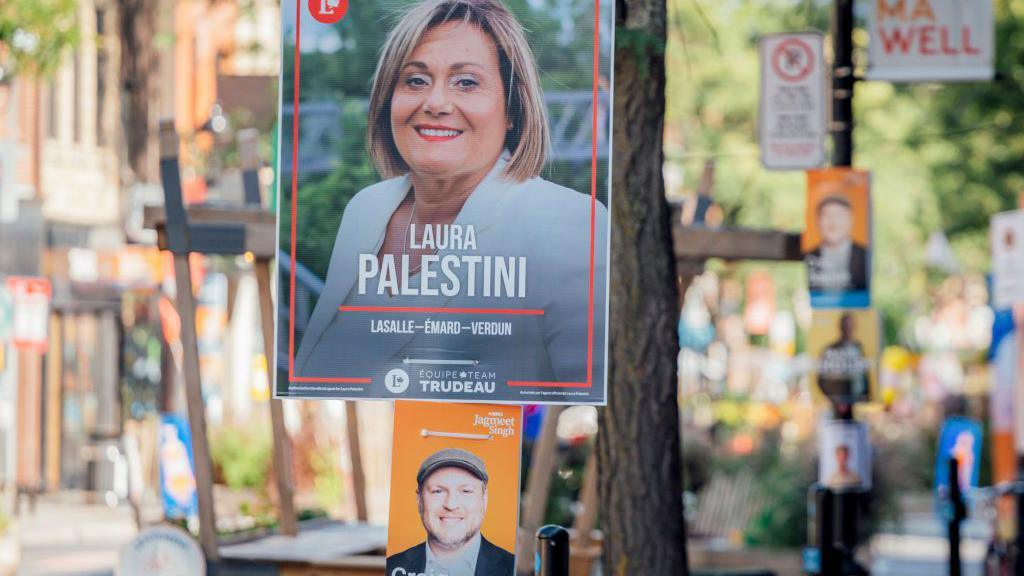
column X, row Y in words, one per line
column 241, row 457
column 35, row 35
column 976, row 164
column 337, row 65
column 640, row 45
column 328, row 481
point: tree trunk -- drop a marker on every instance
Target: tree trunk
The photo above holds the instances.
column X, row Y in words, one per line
column 638, row 440
column 138, row 66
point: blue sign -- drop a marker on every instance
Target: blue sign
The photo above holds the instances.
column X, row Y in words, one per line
column 812, row 560
column 177, row 468
column 960, row 439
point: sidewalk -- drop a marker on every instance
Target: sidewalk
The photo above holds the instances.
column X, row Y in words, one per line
column 67, row 535
column 919, row 545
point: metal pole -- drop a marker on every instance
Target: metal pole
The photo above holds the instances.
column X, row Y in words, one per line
column 842, row 83
column 1019, row 556
column 552, row 551
column 956, row 515
column 830, row 559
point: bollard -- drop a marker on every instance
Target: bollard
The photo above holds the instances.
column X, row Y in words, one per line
column 957, row 513
column 552, row 551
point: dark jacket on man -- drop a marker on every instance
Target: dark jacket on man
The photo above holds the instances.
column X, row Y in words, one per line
column 491, row 561
column 858, row 266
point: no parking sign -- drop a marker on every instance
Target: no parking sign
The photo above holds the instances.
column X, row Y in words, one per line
column 792, row 118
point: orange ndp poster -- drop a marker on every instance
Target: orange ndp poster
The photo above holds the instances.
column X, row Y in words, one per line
column 836, row 242
column 454, row 489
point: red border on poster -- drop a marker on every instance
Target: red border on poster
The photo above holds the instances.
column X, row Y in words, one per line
column 292, row 377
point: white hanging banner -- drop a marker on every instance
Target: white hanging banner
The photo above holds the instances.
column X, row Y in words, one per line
column 792, row 116
column 930, row 40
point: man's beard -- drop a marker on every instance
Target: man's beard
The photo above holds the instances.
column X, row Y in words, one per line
column 451, row 536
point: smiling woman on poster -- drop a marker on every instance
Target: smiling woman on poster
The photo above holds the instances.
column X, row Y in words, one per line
column 463, row 221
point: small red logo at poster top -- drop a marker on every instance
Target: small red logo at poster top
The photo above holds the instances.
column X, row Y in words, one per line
column 328, row 11
column 1009, row 240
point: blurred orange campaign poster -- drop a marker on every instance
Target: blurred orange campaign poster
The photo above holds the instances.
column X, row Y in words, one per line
column 454, row 489
column 836, row 242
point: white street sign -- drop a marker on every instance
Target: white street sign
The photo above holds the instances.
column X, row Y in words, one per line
column 930, row 40
column 1007, row 259
column 792, row 118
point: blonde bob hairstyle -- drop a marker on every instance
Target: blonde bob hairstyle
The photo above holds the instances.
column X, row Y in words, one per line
column 527, row 139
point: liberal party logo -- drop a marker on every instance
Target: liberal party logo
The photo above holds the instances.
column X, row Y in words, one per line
column 396, row 381
column 328, row 11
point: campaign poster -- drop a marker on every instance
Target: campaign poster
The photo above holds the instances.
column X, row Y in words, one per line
column 960, row 439
column 836, row 242
column 844, row 459
column 454, row 505
column 444, row 192
column 177, row 468
column 844, row 346
column 1007, row 231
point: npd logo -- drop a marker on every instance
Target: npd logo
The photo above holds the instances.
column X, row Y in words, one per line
column 396, row 381
column 328, row 11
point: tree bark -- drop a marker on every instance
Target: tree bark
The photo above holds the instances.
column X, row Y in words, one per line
column 138, row 68
column 639, row 455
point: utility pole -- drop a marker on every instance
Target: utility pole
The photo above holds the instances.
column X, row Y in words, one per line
column 842, row 83
column 846, row 503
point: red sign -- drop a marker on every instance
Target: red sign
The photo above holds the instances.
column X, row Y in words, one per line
column 793, row 59
column 328, row 11
column 31, row 298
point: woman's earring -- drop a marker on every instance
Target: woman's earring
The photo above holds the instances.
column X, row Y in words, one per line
column 509, row 125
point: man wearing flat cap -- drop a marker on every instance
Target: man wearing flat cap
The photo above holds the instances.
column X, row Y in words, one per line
column 837, row 263
column 451, row 496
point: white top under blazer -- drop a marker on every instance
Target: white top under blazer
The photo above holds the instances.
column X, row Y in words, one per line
column 548, row 224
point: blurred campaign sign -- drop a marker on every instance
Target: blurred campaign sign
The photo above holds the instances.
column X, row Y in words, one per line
column 760, row 306
column 836, row 242
column 162, row 551
column 845, row 346
column 6, row 314
column 30, row 297
column 455, row 472
column 1007, row 229
column 960, row 439
column 792, row 115
column 930, row 40
column 8, row 181
column 844, row 459
column 1003, row 396
column 177, row 469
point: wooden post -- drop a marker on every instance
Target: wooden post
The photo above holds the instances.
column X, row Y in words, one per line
column 538, row 483
column 177, row 234
column 356, row 457
column 247, row 142
column 587, row 517
column 282, row 449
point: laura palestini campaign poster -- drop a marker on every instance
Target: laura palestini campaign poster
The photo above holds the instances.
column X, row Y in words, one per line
column 443, row 214
column 454, row 506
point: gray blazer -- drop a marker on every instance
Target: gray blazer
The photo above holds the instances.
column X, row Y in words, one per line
column 547, row 223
